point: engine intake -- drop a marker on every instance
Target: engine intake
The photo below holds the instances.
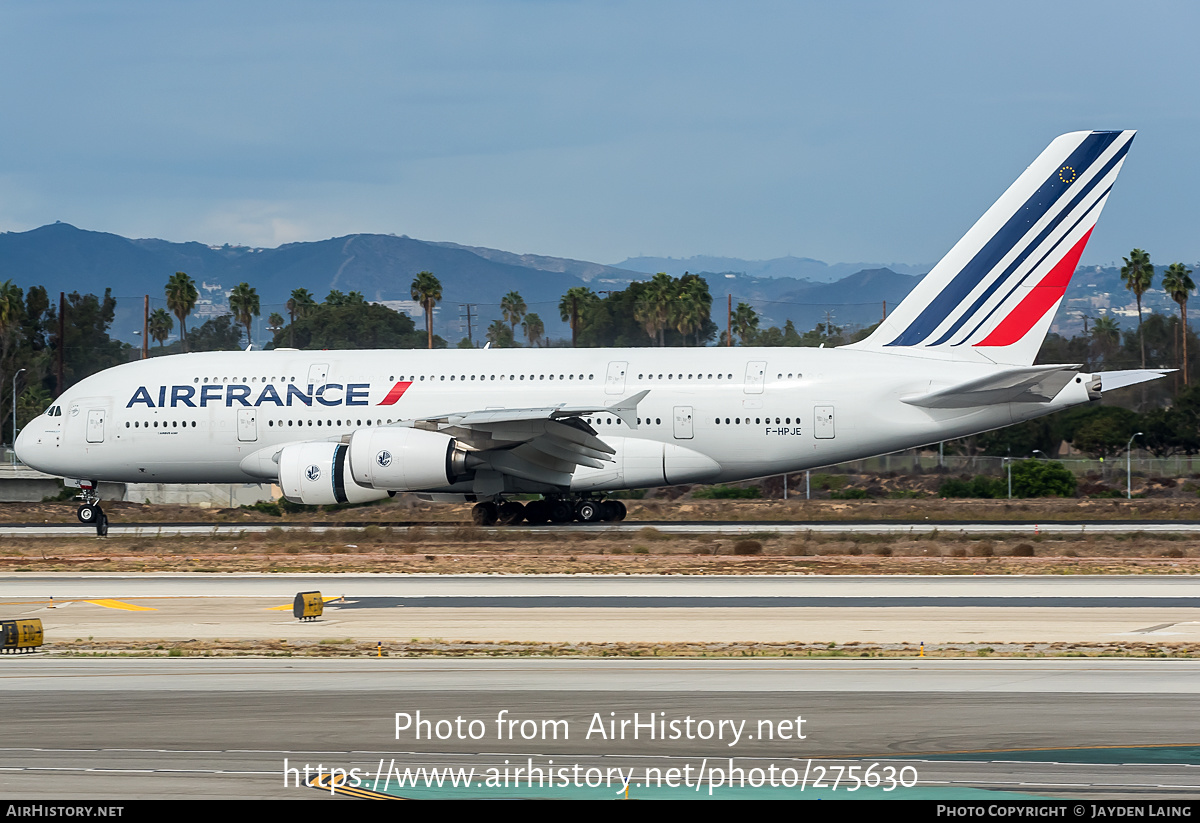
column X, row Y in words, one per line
column 316, row 474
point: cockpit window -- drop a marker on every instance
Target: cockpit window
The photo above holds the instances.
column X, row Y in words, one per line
column 54, row 411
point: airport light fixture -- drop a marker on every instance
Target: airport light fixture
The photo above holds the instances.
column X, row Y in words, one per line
column 1129, row 467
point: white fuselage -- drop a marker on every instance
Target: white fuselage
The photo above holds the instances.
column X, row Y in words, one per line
column 754, row 412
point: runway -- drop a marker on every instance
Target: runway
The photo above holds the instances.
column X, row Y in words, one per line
column 968, row 730
column 383, row 608
column 897, row 527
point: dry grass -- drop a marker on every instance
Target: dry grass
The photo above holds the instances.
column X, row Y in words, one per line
column 440, row 648
column 470, row 550
column 404, row 511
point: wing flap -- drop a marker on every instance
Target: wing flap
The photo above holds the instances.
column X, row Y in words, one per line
column 542, row 445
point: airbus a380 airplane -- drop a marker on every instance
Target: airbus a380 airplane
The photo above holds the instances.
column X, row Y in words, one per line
column 954, row 359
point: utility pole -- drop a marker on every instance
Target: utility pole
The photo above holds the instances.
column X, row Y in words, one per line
column 145, row 326
column 468, row 307
column 729, row 331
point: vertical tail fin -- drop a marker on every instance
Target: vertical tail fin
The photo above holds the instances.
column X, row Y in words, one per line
column 993, row 296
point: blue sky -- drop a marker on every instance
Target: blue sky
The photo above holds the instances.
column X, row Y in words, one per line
column 854, row 131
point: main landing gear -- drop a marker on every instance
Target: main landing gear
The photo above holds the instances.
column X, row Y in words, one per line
column 90, row 513
column 548, row 510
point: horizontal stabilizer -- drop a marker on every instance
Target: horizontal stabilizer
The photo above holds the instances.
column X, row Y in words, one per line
column 1110, row 380
column 1030, row 384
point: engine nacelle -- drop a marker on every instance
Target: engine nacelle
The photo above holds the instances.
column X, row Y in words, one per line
column 316, row 474
column 404, row 459
column 641, row 463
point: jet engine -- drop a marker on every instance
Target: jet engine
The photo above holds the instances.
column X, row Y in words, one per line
column 405, row 459
column 316, row 474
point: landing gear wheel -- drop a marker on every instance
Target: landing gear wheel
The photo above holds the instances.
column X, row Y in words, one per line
column 560, row 511
column 484, row 514
column 88, row 513
column 588, row 511
column 511, row 513
column 537, row 512
column 612, row 510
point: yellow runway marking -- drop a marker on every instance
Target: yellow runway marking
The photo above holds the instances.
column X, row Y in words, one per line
column 323, row 781
column 117, row 604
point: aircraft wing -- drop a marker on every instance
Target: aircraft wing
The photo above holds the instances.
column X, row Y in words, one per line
column 1028, row 384
column 542, row 445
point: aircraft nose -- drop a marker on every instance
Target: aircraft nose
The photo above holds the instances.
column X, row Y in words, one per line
column 26, row 447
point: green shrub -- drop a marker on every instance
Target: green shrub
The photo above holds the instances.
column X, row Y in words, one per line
column 747, row 547
column 1042, row 478
column 265, row 507
column 726, row 493
column 988, row 488
column 849, row 494
column 829, row 482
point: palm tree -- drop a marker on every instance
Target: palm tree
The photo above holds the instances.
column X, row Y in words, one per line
column 513, row 307
column 1178, row 283
column 161, row 326
column 1106, row 337
column 11, row 311
column 1138, row 275
column 534, row 329
column 427, row 291
column 653, row 309
column 181, row 299
column 745, row 322
column 275, row 323
column 691, row 306
column 243, row 302
column 298, row 305
column 500, row 335
column 574, row 306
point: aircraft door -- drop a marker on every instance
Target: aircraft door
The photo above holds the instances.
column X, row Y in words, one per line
column 683, row 422
column 247, row 425
column 823, row 423
column 756, row 372
column 317, row 374
column 614, row 382
column 95, row 426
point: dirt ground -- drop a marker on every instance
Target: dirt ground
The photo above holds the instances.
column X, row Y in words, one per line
column 472, row 550
column 440, row 648
column 406, row 510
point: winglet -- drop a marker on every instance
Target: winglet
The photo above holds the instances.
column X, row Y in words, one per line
column 1113, row 380
column 626, row 409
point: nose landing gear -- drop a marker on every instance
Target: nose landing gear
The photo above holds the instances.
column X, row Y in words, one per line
column 90, row 513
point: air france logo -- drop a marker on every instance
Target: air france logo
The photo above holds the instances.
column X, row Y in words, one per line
column 384, row 459
column 313, row 472
column 240, row 394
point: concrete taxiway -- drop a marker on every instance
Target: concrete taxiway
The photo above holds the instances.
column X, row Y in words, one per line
column 970, row 729
column 652, row 609
column 898, row 527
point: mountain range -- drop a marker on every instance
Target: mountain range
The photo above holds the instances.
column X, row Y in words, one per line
column 62, row 257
